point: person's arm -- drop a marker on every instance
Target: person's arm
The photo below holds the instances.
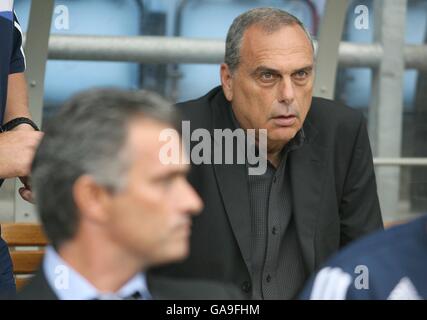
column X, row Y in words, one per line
column 17, row 100
column 360, row 212
column 17, row 147
column 17, row 94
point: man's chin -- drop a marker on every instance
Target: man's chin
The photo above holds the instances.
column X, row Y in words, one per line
column 175, row 254
column 282, row 137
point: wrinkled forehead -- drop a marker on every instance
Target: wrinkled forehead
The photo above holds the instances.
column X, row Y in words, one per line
column 286, row 39
column 285, row 50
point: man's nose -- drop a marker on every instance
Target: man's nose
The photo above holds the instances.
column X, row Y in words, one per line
column 190, row 201
column 286, row 90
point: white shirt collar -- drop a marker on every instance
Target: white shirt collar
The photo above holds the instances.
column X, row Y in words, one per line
column 68, row 284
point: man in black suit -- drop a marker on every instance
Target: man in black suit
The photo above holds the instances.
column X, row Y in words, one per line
column 268, row 232
column 109, row 206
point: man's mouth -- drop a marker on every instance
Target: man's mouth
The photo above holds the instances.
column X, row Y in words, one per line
column 285, row 121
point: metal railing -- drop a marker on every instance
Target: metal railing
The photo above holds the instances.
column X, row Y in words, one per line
column 147, row 49
column 401, row 162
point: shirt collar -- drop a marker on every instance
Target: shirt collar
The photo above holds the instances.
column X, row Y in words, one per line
column 68, row 284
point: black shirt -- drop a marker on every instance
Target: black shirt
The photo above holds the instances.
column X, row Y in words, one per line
column 277, row 265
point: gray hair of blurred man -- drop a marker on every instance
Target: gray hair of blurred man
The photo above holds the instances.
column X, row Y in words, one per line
column 270, row 19
column 88, row 136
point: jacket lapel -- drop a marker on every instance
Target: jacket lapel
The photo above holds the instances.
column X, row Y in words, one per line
column 232, row 182
column 37, row 288
column 307, row 172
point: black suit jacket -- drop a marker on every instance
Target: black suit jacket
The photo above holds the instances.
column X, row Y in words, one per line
column 160, row 288
column 333, row 187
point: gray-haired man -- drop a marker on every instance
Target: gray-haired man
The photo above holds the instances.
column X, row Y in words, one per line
column 108, row 205
column 266, row 233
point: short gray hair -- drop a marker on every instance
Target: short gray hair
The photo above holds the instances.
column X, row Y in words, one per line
column 270, row 19
column 88, row 136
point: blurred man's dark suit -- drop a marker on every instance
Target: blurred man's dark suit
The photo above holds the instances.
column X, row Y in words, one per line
column 332, row 191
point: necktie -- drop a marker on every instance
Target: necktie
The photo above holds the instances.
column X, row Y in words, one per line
column 134, row 296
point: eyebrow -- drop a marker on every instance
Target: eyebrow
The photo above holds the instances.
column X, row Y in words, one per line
column 307, row 69
column 261, row 69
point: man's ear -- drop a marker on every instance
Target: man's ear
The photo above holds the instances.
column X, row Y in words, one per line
column 91, row 199
column 227, row 81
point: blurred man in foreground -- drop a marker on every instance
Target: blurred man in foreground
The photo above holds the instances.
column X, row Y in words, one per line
column 108, row 205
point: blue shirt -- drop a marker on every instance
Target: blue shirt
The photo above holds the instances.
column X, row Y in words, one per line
column 12, row 58
column 68, row 284
column 391, row 264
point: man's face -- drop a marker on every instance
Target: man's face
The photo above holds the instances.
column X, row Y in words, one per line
column 272, row 86
column 151, row 215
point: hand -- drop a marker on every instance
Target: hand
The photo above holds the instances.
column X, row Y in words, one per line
column 17, row 148
column 25, row 191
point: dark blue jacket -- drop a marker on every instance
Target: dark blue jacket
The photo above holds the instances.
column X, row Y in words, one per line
column 386, row 265
column 7, row 281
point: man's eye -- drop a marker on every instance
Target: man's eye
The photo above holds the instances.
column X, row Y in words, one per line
column 267, row 76
column 300, row 75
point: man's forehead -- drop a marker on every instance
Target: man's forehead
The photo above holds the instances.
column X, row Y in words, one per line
column 143, row 136
column 292, row 35
column 287, row 47
column 145, row 143
column 146, row 127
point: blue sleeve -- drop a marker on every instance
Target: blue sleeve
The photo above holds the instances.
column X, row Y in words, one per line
column 306, row 293
column 330, row 283
column 17, row 61
column 349, row 281
column 7, row 281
